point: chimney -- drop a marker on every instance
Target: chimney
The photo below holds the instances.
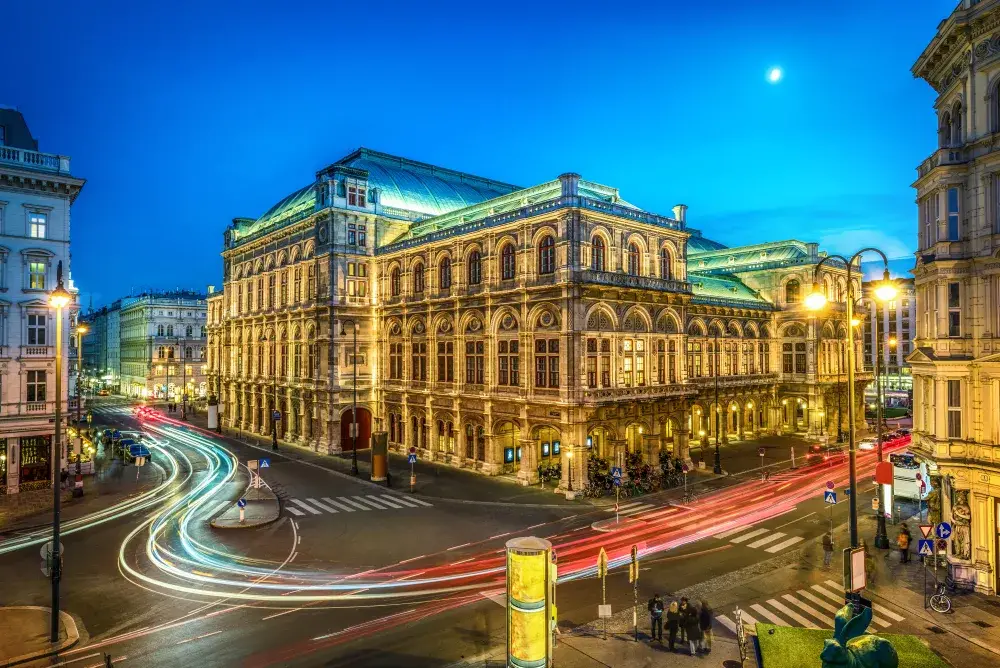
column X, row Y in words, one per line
column 211, row 289
column 680, row 213
column 570, row 184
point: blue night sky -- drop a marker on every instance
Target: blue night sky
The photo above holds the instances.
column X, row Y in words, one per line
column 182, row 115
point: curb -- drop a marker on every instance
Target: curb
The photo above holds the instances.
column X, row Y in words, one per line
column 72, row 637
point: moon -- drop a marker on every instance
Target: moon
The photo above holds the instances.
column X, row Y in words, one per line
column 774, row 75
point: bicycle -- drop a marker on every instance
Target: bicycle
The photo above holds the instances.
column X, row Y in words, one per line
column 941, row 602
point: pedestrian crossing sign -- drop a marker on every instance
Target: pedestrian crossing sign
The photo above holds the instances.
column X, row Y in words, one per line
column 265, row 463
column 412, row 458
column 925, row 547
column 829, row 496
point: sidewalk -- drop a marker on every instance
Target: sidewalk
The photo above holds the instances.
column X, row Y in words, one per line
column 433, row 480
column 113, row 483
column 24, row 634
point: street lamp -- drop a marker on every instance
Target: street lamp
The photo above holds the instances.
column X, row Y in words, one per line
column 569, row 456
column 817, row 300
column 58, row 299
column 354, row 411
column 81, row 329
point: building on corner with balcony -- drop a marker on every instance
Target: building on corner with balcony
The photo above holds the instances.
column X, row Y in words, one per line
column 498, row 327
column 956, row 361
column 37, row 191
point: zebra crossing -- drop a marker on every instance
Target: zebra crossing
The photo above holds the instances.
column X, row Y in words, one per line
column 759, row 538
column 812, row 607
column 632, row 508
column 352, row 504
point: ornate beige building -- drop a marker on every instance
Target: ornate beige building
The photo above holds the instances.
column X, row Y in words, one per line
column 500, row 327
column 956, row 362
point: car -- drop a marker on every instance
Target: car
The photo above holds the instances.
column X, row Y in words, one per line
column 103, row 392
column 867, row 444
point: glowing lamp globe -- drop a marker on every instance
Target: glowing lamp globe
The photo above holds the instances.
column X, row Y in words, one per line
column 815, row 300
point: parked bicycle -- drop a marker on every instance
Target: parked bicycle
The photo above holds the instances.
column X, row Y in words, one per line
column 941, row 602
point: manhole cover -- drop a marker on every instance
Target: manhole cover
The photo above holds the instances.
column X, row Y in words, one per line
column 982, row 625
column 936, row 629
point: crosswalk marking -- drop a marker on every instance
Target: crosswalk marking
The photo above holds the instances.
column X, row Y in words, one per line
column 788, row 612
column 787, row 543
column 322, row 506
column 832, row 609
column 748, row 536
column 766, row 539
column 731, row 532
column 631, row 508
column 638, row 509
column 420, row 501
column 386, row 502
column 728, row 623
column 343, row 506
column 826, row 619
column 839, row 597
column 769, row 616
column 748, row 619
column 885, row 612
column 307, row 507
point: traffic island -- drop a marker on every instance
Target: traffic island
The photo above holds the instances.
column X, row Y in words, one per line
column 24, row 634
column 791, row 647
column 260, row 507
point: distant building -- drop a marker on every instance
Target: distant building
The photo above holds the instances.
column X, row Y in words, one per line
column 162, row 345
column 101, row 348
column 896, row 322
column 36, row 193
column 956, row 362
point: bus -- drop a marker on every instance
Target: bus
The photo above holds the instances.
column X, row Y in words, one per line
column 905, row 467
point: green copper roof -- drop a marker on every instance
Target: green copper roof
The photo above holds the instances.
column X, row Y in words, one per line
column 420, row 187
column 724, row 288
column 699, row 244
column 752, row 258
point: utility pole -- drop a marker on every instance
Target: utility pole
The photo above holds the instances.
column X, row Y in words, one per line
column 58, row 299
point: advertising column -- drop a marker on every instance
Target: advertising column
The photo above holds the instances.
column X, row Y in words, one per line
column 529, row 600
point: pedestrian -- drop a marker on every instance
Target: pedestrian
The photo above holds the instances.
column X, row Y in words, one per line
column 869, row 565
column 827, row 549
column 705, row 624
column 673, row 623
column 693, row 627
column 655, row 607
column 684, row 610
column 903, row 543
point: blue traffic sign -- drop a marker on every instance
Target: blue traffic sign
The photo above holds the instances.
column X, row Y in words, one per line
column 829, row 496
column 412, row 458
column 616, row 475
column 847, row 491
column 943, row 530
column 264, row 463
column 275, row 415
column 242, row 503
column 925, row 547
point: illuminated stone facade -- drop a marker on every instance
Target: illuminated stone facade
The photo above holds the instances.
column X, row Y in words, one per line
column 956, row 361
column 500, row 327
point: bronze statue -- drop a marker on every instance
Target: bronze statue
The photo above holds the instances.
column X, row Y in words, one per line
column 851, row 647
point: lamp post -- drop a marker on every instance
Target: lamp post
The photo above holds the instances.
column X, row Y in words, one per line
column 81, row 329
column 816, row 301
column 354, row 411
column 569, row 456
column 58, row 299
column 717, row 467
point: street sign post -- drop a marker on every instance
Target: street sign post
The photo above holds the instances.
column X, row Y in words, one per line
column 413, row 476
column 602, row 573
column 875, row 503
column 943, row 530
column 412, row 459
column 633, row 577
column 276, row 416
column 829, row 497
column 616, row 478
column 829, row 484
column 242, row 503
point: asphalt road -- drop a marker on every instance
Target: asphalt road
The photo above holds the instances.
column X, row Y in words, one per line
column 141, row 625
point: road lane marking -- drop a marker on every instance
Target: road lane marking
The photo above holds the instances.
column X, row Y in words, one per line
column 322, row 506
column 357, row 505
column 770, row 616
column 832, row 609
column 788, row 612
column 306, row 506
column 383, row 498
column 839, row 598
column 787, row 543
column 343, row 506
column 766, row 539
column 373, row 504
column 403, row 500
column 748, row 536
column 420, row 501
column 825, row 619
column 748, row 619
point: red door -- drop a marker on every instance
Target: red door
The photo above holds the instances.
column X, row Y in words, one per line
column 364, row 429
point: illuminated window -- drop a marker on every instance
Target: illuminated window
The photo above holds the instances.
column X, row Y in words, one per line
column 36, row 275
column 666, row 265
column 792, row 291
column 694, row 356
column 418, row 370
column 36, row 225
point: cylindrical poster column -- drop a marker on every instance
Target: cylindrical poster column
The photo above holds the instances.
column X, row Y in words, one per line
column 529, row 640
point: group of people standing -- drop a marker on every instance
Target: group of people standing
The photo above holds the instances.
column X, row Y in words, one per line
column 688, row 622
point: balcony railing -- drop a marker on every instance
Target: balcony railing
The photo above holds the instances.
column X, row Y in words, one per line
column 33, row 160
column 630, row 281
column 942, row 156
column 596, row 396
column 735, row 381
column 37, row 351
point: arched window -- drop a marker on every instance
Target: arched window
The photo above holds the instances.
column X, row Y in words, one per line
column 547, row 255
column 666, row 266
column 161, row 352
column 170, row 330
column 956, row 124
column 508, row 262
column 394, row 282
column 159, row 330
column 792, row 290
column 475, row 268
column 633, row 259
column 418, row 278
column 445, row 271
column 944, row 132
column 187, row 331
column 188, row 354
column 597, row 256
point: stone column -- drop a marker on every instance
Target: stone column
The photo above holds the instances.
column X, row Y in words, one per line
column 650, row 448
column 578, row 465
column 493, row 464
column 740, row 415
column 682, row 449
column 527, row 474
